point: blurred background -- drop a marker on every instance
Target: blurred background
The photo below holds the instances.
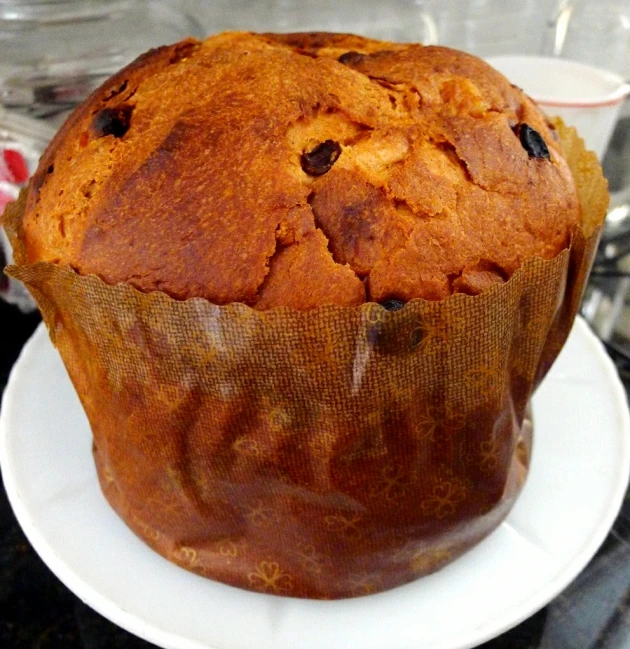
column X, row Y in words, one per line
column 53, row 53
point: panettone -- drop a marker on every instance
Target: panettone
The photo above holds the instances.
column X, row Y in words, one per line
column 301, row 170
column 426, row 235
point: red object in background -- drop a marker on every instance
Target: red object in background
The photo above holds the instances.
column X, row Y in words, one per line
column 13, row 172
column 17, row 160
column 13, row 167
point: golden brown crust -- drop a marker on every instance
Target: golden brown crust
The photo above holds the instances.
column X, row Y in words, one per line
column 186, row 173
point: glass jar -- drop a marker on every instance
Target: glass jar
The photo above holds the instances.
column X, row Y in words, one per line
column 53, row 53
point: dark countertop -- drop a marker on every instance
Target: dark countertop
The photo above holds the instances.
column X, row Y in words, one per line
column 38, row 612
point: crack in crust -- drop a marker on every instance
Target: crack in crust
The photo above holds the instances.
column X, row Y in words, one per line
column 430, row 192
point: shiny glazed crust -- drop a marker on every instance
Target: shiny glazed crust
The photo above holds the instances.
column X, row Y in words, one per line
column 198, row 170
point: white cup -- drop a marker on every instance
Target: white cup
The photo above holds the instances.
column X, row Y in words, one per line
column 582, row 95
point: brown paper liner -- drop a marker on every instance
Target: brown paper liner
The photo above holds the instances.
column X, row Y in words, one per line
column 326, row 454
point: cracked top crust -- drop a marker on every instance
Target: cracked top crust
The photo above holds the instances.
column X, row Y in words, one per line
column 300, row 170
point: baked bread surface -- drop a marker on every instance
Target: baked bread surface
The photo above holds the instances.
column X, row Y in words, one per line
column 302, row 169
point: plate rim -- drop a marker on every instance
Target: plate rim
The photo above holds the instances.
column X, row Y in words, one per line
column 152, row 632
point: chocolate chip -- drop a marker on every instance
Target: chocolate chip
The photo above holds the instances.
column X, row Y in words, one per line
column 533, row 142
column 351, row 58
column 112, row 121
column 321, row 158
column 393, row 305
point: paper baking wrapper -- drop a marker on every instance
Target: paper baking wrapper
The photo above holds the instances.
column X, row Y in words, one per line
column 325, row 454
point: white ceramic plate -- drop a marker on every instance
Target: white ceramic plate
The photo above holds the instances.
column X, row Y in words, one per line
column 577, row 482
